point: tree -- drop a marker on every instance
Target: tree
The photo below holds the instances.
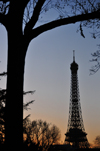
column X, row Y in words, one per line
column 41, row 133
column 2, row 109
column 2, row 116
column 19, row 19
column 2, row 112
column 96, row 58
column 97, row 141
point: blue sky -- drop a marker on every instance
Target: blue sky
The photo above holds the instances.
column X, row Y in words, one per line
column 47, row 71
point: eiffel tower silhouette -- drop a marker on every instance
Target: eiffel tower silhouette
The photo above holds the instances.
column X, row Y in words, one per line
column 75, row 134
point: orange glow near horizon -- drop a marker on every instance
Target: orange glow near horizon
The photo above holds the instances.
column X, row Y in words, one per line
column 63, row 128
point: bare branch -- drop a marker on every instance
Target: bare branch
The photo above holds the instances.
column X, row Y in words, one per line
column 27, row 104
column 3, row 74
column 35, row 16
column 96, row 58
column 26, row 117
column 81, row 31
column 32, row 92
column 4, row 8
column 56, row 23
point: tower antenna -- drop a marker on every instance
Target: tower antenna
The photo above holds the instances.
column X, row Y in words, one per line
column 73, row 55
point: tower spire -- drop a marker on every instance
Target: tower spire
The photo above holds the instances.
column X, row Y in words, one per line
column 73, row 55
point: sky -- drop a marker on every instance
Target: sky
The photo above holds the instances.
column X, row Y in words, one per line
column 47, row 70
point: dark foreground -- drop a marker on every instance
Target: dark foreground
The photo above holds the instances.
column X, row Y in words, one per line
column 88, row 149
column 52, row 148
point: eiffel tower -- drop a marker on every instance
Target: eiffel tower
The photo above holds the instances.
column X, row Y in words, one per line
column 75, row 134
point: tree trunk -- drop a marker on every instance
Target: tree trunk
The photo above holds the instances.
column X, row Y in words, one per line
column 14, row 102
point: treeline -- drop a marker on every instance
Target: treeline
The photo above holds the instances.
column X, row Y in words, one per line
column 40, row 135
column 37, row 135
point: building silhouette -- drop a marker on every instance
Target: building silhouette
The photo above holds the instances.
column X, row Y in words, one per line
column 75, row 134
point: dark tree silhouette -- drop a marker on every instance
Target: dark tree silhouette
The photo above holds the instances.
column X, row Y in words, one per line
column 41, row 134
column 96, row 59
column 97, row 141
column 2, row 112
column 19, row 19
column 2, row 116
column 3, row 93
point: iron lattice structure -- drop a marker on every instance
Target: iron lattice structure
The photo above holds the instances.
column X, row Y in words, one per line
column 75, row 134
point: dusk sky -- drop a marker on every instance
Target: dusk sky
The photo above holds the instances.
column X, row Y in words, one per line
column 47, row 71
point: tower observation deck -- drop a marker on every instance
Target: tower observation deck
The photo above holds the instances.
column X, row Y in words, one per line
column 75, row 134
